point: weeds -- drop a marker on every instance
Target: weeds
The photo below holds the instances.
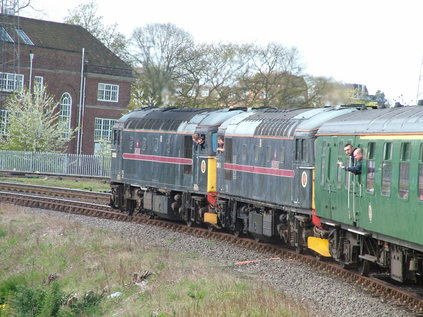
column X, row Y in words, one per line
column 82, row 259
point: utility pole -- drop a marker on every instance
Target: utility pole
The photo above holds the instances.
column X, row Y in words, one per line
column 419, row 86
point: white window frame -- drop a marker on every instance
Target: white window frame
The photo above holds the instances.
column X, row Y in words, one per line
column 65, row 114
column 4, row 121
column 25, row 39
column 4, row 36
column 38, row 83
column 10, row 82
column 108, row 92
column 100, row 131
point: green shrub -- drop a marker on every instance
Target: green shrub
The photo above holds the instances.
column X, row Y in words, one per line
column 10, row 286
column 87, row 305
column 52, row 301
column 27, row 301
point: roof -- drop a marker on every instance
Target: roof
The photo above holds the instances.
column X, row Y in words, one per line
column 391, row 120
column 65, row 37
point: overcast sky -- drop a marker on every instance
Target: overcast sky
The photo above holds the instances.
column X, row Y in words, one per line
column 376, row 43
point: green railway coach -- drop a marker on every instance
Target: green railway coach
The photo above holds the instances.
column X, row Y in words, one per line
column 376, row 216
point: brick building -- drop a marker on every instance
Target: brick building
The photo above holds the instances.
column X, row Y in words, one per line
column 91, row 83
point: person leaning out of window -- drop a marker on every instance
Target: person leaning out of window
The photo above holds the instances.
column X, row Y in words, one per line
column 356, row 168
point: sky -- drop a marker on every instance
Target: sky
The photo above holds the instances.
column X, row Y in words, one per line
column 371, row 42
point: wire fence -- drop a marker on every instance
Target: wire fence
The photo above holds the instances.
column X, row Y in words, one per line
column 55, row 163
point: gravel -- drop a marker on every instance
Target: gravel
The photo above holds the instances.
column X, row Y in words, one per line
column 325, row 295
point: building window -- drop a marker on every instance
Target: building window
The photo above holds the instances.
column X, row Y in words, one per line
column 107, row 92
column 25, row 39
column 65, row 113
column 38, row 83
column 3, row 122
column 4, row 36
column 11, row 82
column 103, row 129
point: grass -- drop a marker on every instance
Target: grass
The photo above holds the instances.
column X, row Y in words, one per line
column 81, row 184
column 92, row 264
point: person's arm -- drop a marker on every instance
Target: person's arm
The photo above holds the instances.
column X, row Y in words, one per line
column 354, row 169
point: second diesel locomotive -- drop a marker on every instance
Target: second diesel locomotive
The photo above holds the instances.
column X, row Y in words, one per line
column 266, row 182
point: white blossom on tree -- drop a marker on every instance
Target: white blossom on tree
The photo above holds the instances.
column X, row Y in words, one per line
column 34, row 123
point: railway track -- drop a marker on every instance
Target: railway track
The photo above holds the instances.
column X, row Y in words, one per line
column 41, row 197
column 83, row 195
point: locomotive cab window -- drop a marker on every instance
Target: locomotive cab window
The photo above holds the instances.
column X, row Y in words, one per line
column 188, row 153
column 300, row 150
column 214, row 142
column 244, row 153
column 228, row 157
column 370, row 168
column 116, row 138
column 403, row 186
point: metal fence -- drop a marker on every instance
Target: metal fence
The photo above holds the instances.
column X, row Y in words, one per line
column 55, row 163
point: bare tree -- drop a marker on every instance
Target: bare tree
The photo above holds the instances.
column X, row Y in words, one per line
column 13, row 6
column 86, row 16
column 274, row 77
column 161, row 50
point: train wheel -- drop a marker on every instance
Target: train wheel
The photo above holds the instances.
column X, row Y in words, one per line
column 211, row 228
column 364, row 267
column 299, row 249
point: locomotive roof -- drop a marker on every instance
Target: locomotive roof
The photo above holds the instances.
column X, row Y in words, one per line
column 391, row 120
column 281, row 122
column 176, row 119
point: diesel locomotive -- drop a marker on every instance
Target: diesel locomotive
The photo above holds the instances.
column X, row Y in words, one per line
column 273, row 174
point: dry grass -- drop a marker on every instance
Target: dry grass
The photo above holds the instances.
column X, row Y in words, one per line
column 86, row 259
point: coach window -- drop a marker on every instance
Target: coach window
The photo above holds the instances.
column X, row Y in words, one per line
column 421, row 173
column 325, row 159
column 370, row 168
column 403, row 186
column 340, row 156
column 386, row 169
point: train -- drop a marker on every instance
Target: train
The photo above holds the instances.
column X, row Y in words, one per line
column 273, row 174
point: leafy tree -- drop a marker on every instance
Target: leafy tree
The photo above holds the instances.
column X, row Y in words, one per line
column 380, row 99
column 34, row 123
column 86, row 16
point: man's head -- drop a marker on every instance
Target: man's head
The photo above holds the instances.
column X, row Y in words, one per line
column 349, row 149
column 358, row 154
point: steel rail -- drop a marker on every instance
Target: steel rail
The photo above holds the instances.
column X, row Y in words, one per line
column 374, row 286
